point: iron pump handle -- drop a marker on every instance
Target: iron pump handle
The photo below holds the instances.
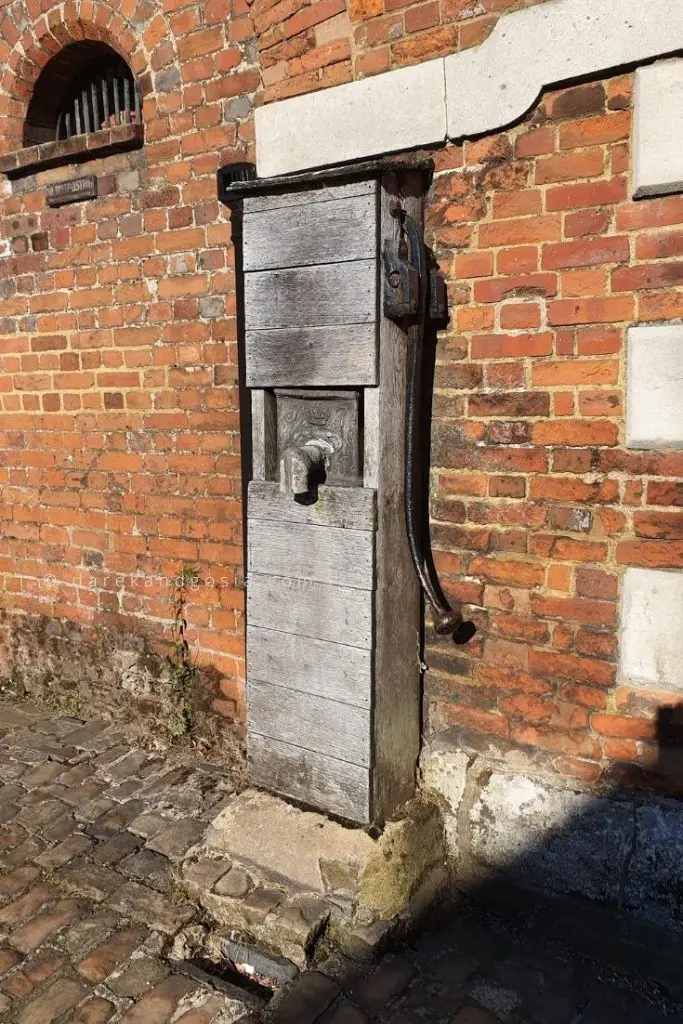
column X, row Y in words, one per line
column 420, row 294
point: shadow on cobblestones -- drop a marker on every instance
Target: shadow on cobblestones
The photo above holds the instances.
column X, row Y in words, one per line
column 498, row 953
column 92, row 830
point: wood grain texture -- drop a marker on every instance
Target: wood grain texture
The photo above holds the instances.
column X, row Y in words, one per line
column 312, row 356
column 396, row 695
column 299, row 236
column 313, row 666
column 263, row 435
column 345, row 508
column 310, row 721
column 319, row 553
column 371, row 437
column 339, row 293
column 332, row 785
column 314, row 610
column 304, row 197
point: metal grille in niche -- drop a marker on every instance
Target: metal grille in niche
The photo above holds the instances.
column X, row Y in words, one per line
column 102, row 97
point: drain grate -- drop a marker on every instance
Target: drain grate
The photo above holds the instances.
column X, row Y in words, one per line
column 226, row 977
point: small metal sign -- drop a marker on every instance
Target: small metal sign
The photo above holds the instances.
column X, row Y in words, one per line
column 72, row 191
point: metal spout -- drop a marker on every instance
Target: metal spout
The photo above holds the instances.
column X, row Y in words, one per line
column 298, row 466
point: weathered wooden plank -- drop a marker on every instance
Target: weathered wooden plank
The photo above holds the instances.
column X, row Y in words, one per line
column 396, row 697
column 312, row 356
column 332, row 785
column 318, row 667
column 300, row 236
column 345, row 508
column 263, row 435
column 304, row 197
column 310, row 721
column 371, row 437
column 320, row 553
column 338, row 293
column 315, row 610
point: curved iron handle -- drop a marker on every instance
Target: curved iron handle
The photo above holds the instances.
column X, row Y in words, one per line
column 446, row 619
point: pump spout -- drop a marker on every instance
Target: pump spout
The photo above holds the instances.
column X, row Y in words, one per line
column 299, row 468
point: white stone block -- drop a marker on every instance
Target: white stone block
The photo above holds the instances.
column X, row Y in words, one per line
column 654, row 394
column 658, row 129
column 492, row 85
column 651, row 647
column 387, row 113
column 552, row 838
column 473, row 92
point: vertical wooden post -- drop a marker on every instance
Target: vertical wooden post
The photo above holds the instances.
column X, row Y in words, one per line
column 396, row 693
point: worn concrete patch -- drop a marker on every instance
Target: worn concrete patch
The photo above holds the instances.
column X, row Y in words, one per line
column 654, row 884
column 444, row 774
column 555, row 839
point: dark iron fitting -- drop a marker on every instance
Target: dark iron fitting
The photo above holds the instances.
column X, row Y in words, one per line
column 446, row 619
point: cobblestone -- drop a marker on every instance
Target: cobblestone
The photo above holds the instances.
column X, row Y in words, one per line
column 86, row 912
column 90, row 906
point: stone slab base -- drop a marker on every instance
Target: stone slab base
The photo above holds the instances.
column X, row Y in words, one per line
column 509, row 821
column 282, row 878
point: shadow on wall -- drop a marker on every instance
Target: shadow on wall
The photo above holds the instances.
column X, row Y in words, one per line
column 519, row 836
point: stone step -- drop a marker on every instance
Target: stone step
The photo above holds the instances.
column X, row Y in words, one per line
column 281, row 878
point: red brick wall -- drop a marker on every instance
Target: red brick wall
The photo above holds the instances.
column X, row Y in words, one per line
column 119, row 425
column 313, row 44
column 120, row 419
column 537, row 507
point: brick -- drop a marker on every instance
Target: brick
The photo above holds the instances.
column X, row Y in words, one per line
column 596, row 130
column 47, row 924
column 94, row 1011
column 502, row 346
column 594, row 193
column 520, row 316
column 27, row 905
column 65, row 851
column 54, row 1001
column 523, row 285
column 520, row 231
column 207, row 1013
column 107, row 956
column 17, row 880
column 577, row 101
column 588, row 163
column 585, row 223
column 667, row 493
column 575, row 372
column 158, row 1006
column 614, row 249
column 572, row 668
column 629, row 728
column 308, row 999
column 576, row 433
column 393, row 976
column 598, row 613
column 590, row 311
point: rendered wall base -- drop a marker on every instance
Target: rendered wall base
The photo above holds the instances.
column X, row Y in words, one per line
column 506, row 821
column 108, row 673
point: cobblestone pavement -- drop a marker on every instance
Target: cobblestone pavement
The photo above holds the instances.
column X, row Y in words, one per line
column 472, row 967
column 91, row 833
